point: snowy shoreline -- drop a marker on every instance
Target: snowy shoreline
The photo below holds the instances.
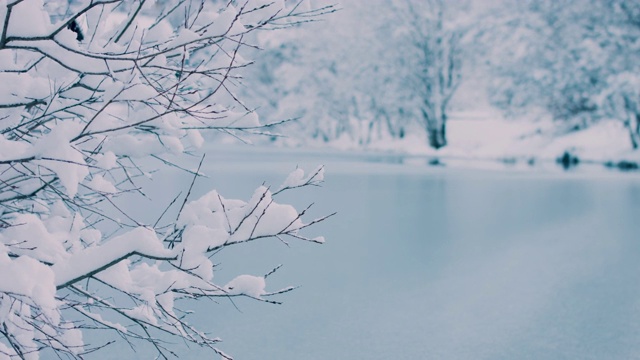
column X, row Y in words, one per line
column 491, row 143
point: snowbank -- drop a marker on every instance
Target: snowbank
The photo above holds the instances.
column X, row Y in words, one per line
column 475, row 139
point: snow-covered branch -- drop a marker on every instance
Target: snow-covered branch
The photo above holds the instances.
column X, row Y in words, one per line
column 94, row 93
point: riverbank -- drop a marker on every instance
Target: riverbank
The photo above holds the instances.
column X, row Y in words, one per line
column 515, row 143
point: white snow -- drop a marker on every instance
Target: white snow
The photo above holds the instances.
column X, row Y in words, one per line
column 81, row 123
column 99, row 184
column 196, row 240
column 13, row 150
column 38, row 24
column 195, row 138
column 246, row 285
column 62, row 157
column 185, row 36
column 472, row 139
column 225, row 23
column 24, row 87
column 28, row 277
column 139, row 240
column 29, row 236
column 98, row 318
column 142, row 312
column 107, row 160
column 297, row 178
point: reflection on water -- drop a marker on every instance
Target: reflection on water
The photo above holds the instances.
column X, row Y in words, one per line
column 433, row 263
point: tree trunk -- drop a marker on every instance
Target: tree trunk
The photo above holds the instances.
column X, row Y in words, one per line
column 633, row 130
column 436, row 129
column 437, row 135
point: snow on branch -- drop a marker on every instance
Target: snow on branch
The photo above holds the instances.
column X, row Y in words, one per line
column 297, row 179
column 93, row 93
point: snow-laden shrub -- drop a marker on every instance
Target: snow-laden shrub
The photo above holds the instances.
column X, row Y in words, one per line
column 89, row 91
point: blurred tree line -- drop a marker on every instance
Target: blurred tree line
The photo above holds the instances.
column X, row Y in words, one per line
column 382, row 69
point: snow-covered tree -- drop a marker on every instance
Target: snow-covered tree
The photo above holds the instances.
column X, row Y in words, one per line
column 95, row 94
column 548, row 58
column 434, row 61
column 378, row 70
column 620, row 98
column 576, row 60
column 326, row 74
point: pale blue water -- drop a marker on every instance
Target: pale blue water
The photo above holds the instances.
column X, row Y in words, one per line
column 437, row 263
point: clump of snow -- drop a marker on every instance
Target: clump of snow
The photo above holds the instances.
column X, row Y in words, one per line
column 107, row 160
column 62, row 157
column 195, row 138
column 137, row 241
column 28, row 277
column 297, row 178
column 196, row 240
column 142, row 312
column 207, row 211
column 30, row 237
column 319, row 239
column 246, row 285
column 13, row 150
column 261, row 216
column 24, row 87
column 39, row 24
column 99, row 184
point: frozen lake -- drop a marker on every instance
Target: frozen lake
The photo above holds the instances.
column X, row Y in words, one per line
column 435, row 263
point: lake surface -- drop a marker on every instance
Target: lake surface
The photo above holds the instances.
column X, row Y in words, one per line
column 436, row 263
